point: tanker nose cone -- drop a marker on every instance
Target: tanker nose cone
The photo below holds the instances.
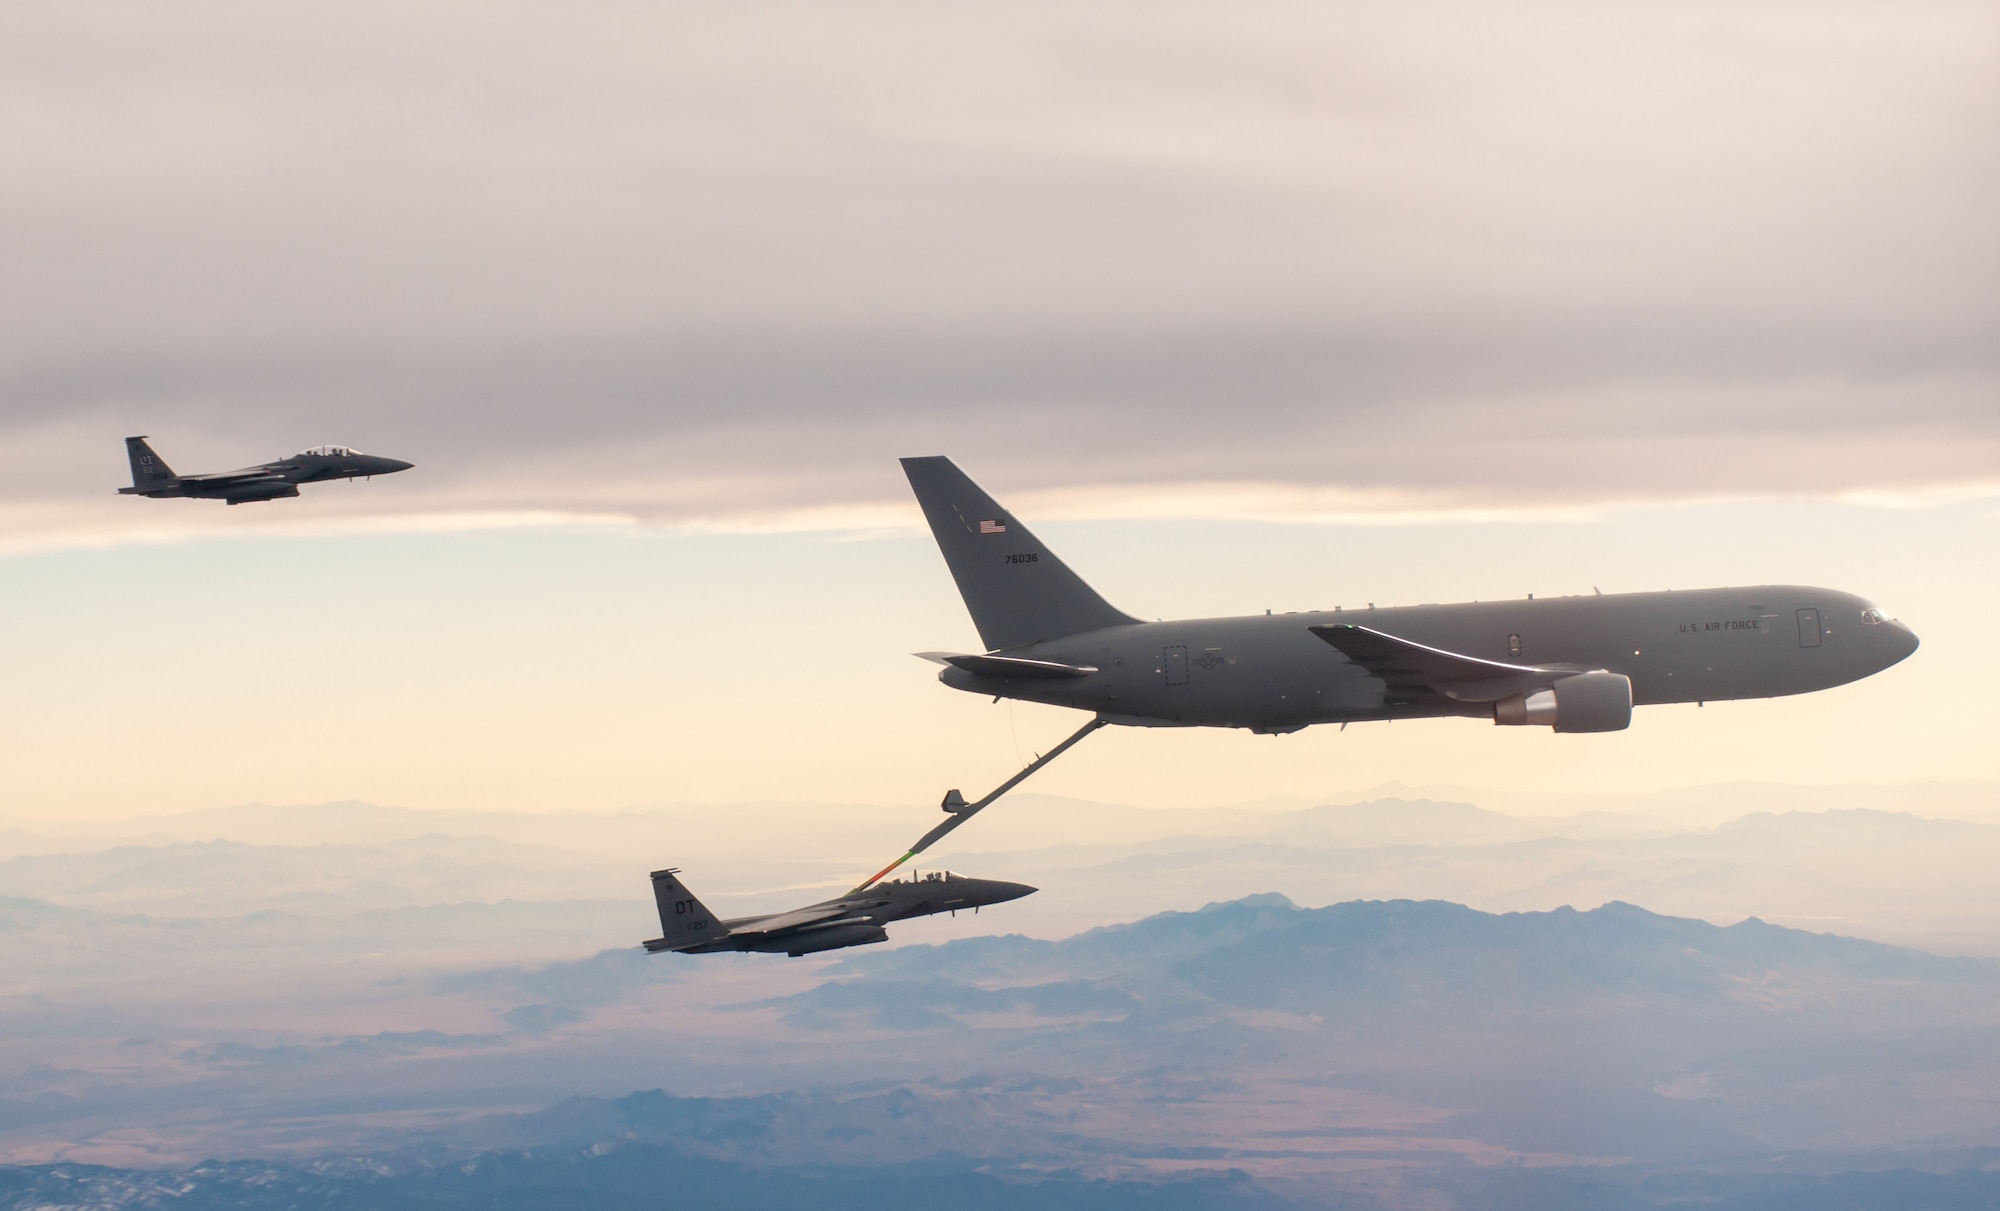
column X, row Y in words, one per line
column 1902, row 644
column 1888, row 643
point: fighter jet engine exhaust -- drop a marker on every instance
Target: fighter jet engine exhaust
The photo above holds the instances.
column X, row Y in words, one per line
column 1587, row 702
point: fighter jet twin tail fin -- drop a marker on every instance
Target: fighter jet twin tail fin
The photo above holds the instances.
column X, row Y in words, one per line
column 149, row 470
column 684, row 920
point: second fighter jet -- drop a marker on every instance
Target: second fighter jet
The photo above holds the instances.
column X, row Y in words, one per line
column 855, row 919
column 151, row 476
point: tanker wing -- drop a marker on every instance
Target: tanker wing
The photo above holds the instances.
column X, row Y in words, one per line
column 1411, row 670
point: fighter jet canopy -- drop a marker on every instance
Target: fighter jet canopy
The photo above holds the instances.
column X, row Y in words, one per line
column 328, row 452
column 929, row 876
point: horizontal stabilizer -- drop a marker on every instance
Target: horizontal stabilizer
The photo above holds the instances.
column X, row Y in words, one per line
column 1406, row 667
column 1009, row 666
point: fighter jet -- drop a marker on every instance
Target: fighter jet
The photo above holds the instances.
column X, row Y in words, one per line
column 855, row 919
column 151, row 476
column 1572, row 664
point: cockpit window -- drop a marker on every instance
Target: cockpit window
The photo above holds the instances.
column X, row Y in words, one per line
column 928, row 876
column 328, row 451
column 1873, row 616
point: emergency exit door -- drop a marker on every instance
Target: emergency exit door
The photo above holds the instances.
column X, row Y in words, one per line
column 1808, row 628
column 1174, row 663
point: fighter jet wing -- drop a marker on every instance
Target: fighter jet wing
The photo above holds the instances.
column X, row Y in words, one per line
column 799, row 918
column 1008, row 666
column 1409, row 669
column 248, row 475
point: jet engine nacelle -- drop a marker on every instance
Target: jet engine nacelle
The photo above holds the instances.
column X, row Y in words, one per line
column 249, row 492
column 1587, row 702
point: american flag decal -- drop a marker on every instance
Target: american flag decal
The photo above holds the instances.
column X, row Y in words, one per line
column 992, row 527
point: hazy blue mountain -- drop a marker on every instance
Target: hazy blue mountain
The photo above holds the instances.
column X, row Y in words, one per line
column 1264, row 947
column 1421, row 954
column 1611, row 1032
column 636, row 1177
column 1143, row 945
column 642, row 1177
column 1390, row 1053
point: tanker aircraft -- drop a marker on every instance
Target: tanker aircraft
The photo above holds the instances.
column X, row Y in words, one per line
column 855, row 919
column 1572, row 664
column 151, row 476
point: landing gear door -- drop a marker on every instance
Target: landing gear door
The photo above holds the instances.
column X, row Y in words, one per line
column 1174, row 663
column 1808, row 628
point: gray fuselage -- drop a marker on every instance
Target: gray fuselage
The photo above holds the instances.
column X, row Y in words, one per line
column 298, row 469
column 1270, row 673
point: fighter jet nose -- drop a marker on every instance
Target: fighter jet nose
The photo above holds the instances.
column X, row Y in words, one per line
column 1012, row 891
column 395, row 464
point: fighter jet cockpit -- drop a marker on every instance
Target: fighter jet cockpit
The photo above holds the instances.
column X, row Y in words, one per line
column 328, row 452
column 929, row 876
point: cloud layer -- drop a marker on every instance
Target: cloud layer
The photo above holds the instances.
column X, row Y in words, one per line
column 693, row 263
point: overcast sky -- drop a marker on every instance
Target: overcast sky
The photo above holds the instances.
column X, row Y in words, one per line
column 1580, row 271
column 728, row 261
